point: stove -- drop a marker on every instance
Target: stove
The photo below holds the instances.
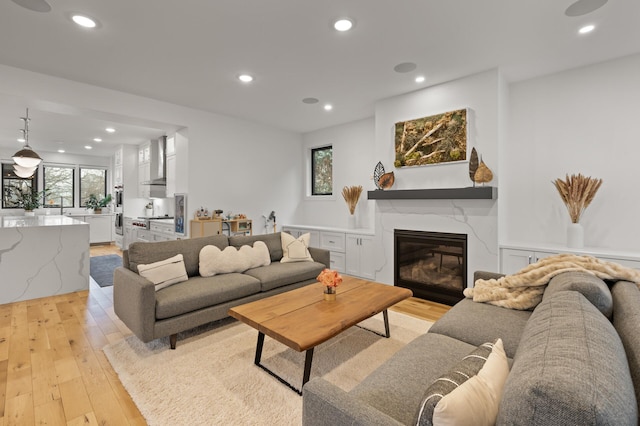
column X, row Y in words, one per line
column 143, row 222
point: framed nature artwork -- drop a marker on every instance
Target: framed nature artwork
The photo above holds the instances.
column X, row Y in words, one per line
column 437, row 139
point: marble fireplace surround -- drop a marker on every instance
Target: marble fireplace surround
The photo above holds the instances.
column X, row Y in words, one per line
column 478, row 218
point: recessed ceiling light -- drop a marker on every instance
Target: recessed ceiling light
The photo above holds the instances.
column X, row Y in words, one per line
column 97, row 139
column 405, row 67
column 310, row 101
column 586, row 29
column 88, row 147
column 245, row 78
column 343, row 24
column 84, row 21
column 420, row 79
column 61, row 151
column 328, row 107
column 110, row 130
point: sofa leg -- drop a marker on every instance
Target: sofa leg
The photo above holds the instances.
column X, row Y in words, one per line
column 172, row 340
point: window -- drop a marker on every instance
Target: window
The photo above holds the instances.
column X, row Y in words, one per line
column 11, row 183
column 322, row 171
column 59, row 182
column 92, row 181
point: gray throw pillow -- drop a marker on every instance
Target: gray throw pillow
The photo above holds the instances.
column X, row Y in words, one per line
column 463, row 371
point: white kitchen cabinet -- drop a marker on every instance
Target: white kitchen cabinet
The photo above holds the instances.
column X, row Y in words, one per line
column 130, row 233
column 100, row 228
column 359, row 256
column 171, row 146
column 144, row 175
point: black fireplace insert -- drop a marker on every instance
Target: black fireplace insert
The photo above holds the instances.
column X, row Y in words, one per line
column 431, row 264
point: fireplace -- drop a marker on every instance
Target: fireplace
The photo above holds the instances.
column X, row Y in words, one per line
column 431, row 264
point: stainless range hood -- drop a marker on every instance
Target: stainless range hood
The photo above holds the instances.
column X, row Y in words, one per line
column 158, row 168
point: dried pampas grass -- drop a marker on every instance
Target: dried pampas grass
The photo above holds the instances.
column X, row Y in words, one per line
column 351, row 195
column 577, row 192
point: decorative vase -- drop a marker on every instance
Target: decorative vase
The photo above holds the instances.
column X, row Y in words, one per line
column 351, row 222
column 575, row 235
column 330, row 294
column 97, row 210
column 29, row 213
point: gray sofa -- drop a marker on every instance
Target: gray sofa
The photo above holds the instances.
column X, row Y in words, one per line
column 575, row 360
column 152, row 314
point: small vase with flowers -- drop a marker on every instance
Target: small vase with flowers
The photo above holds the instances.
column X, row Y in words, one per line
column 330, row 279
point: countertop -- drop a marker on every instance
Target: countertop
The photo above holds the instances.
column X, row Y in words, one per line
column 88, row 214
column 37, row 221
column 359, row 231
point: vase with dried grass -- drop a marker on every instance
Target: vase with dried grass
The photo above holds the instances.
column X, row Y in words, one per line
column 577, row 193
column 351, row 195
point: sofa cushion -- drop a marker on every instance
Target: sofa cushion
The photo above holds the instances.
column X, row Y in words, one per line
column 166, row 272
column 464, row 369
column 476, row 401
column 281, row 274
column 201, row 292
column 626, row 320
column 145, row 253
column 271, row 240
column 476, row 323
column 570, row 369
column 396, row 387
column 295, row 249
column 590, row 286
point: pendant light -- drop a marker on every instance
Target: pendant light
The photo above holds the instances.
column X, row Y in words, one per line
column 24, row 172
column 27, row 157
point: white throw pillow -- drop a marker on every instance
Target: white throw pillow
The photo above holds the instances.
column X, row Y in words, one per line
column 165, row 272
column 258, row 255
column 215, row 261
column 476, row 401
column 295, row 250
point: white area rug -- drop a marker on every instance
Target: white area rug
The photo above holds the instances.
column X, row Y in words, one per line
column 210, row 378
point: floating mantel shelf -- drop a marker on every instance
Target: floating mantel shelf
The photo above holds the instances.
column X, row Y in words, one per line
column 469, row 193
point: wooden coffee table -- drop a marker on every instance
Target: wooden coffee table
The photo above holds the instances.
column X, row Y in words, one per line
column 302, row 319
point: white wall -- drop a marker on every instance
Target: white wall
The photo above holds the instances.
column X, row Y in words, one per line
column 579, row 121
column 353, row 164
column 234, row 165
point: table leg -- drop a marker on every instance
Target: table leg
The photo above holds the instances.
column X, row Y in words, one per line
column 308, row 358
column 387, row 333
column 259, row 348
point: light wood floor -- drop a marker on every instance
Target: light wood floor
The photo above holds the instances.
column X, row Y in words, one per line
column 53, row 370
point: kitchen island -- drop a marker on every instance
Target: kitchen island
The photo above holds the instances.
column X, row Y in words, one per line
column 42, row 256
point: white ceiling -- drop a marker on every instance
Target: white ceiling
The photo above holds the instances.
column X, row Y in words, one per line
column 190, row 52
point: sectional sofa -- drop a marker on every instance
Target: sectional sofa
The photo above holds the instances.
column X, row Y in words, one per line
column 574, row 360
column 152, row 314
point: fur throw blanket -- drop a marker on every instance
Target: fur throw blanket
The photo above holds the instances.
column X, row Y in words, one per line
column 523, row 290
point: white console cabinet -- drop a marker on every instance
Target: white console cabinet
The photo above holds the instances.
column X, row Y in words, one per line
column 515, row 257
column 359, row 256
column 350, row 253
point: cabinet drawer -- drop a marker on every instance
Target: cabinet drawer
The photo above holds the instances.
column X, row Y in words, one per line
column 337, row 261
column 332, row 241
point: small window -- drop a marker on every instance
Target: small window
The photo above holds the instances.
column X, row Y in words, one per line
column 59, row 183
column 92, row 181
column 12, row 182
column 322, row 171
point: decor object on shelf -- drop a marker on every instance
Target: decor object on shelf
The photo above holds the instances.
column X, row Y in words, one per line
column 330, row 279
column 437, row 139
column 377, row 174
column 473, row 165
column 483, row 173
column 27, row 157
column 576, row 192
column 97, row 205
column 387, row 180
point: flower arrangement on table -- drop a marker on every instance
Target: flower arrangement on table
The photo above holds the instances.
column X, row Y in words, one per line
column 331, row 279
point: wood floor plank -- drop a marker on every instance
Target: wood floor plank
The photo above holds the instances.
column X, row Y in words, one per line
column 87, row 419
column 19, row 411
column 51, row 413
column 44, row 378
column 75, row 400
